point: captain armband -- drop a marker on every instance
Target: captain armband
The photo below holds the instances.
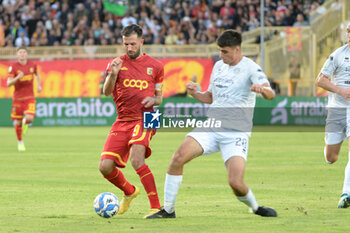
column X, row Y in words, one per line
column 159, row 86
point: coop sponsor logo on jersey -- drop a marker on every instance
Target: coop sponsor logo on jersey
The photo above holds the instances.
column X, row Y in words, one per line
column 140, row 84
column 26, row 78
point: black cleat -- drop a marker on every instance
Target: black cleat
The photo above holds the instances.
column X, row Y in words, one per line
column 266, row 212
column 161, row 214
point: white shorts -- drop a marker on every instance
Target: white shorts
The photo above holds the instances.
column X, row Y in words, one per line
column 337, row 126
column 229, row 143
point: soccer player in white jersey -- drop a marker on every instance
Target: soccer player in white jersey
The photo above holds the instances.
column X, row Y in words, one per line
column 337, row 67
column 234, row 82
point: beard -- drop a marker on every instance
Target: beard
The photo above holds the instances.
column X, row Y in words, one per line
column 135, row 55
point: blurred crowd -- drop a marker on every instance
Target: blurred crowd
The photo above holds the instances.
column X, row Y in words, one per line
column 75, row 22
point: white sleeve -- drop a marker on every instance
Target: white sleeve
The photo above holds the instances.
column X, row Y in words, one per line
column 210, row 88
column 329, row 66
column 258, row 76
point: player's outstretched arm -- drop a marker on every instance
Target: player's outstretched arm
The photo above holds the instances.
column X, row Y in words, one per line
column 324, row 82
column 11, row 81
column 111, row 78
column 263, row 89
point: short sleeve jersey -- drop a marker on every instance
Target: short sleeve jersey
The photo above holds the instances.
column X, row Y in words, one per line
column 136, row 80
column 232, row 97
column 24, row 87
column 337, row 67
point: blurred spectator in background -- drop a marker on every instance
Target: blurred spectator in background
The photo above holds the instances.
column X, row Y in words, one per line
column 300, row 21
column 192, row 21
column 294, row 75
column 22, row 40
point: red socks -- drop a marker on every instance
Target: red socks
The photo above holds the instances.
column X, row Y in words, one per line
column 18, row 129
column 149, row 184
column 117, row 178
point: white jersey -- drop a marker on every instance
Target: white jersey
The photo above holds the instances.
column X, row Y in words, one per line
column 233, row 102
column 337, row 67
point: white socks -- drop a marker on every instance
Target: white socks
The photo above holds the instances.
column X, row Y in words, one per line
column 249, row 200
column 346, row 186
column 171, row 188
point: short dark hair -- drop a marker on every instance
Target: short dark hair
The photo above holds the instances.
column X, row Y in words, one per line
column 229, row 38
column 132, row 29
column 22, row 47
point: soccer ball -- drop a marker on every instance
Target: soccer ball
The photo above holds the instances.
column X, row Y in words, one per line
column 106, row 205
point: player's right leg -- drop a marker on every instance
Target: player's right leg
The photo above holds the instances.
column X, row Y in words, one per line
column 17, row 116
column 188, row 150
column 115, row 176
column 331, row 152
column 335, row 133
column 114, row 156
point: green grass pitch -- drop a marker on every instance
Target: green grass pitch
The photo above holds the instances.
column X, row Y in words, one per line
column 51, row 186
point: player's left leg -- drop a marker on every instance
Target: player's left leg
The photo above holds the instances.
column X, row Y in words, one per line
column 18, row 129
column 29, row 114
column 344, row 201
column 27, row 119
column 137, row 159
column 333, row 141
column 235, row 167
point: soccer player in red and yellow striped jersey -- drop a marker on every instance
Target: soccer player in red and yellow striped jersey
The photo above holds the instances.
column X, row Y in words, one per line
column 135, row 80
column 21, row 76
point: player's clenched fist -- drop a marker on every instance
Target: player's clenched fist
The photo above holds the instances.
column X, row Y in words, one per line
column 257, row 88
column 116, row 64
column 191, row 88
column 20, row 75
column 148, row 101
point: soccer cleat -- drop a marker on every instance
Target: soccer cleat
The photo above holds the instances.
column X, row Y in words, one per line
column 344, row 201
column 21, row 147
column 266, row 212
column 152, row 211
column 161, row 214
column 125, row 202
column 24, row 126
